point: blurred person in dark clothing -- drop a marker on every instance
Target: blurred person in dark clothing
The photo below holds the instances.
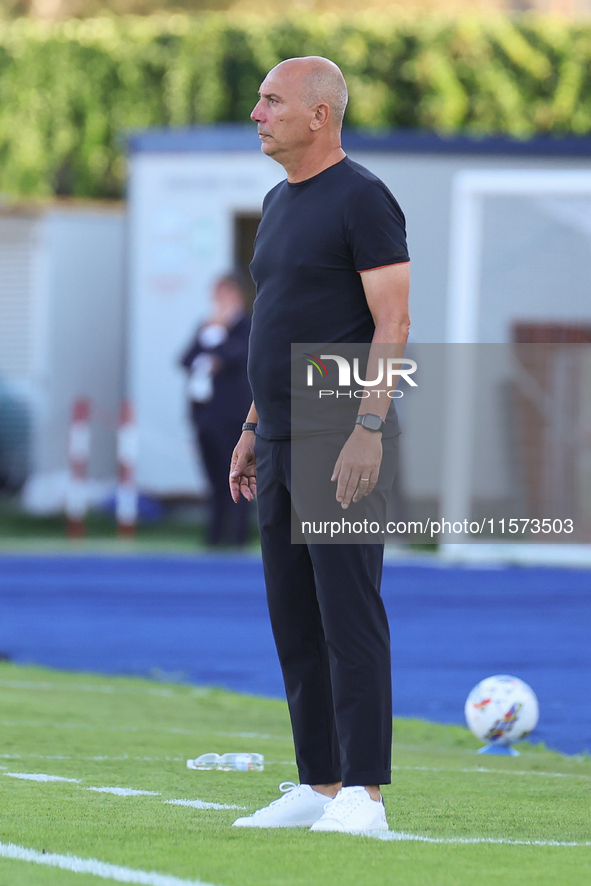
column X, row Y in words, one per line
column 15, row 434
column 219, row 396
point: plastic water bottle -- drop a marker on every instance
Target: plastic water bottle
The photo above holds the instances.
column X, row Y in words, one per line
column 242, row 762
column 205, row 761
column 229, row 762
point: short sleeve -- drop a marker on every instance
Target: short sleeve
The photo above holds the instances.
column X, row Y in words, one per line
column 376, row 228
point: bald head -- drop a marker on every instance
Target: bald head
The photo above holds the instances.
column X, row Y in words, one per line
column 299, row 115
column 322, row 82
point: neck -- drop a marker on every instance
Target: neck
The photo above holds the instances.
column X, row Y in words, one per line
column 311, row 163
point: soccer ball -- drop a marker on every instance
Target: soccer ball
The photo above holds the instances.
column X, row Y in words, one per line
column 501, row 710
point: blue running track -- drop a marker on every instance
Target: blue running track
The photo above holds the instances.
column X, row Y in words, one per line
column 205, row 618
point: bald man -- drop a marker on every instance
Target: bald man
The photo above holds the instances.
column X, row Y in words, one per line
column 330, row 265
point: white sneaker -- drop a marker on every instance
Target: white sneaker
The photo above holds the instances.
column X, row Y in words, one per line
column 299, row 807
column 352, row 810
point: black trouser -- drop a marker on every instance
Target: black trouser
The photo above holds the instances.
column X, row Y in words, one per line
column 228, row 522
column 330, row 629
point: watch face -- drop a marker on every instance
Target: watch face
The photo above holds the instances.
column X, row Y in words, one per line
column 372, row 422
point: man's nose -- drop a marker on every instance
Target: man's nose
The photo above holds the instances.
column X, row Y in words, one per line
column 256, row 114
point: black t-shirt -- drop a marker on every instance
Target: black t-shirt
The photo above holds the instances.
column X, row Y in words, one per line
column 314, row 238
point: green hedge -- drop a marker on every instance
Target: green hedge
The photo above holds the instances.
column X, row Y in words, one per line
column 68, row 91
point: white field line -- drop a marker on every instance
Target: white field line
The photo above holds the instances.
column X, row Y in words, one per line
column 125, row 792
column 40, row 776
column 255, row 735
column 31, row 724
column 120, row 792
column 94, row 866
column 400, row 836
column 125, row 757
column 82, row 687
column 37, row 756
column 478, row 769
column 202, row 804
column 470, row 771
column 99, row 758
column 475, row 770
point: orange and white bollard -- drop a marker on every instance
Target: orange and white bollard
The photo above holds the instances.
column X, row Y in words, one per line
column 126, row 500
column 78, row 456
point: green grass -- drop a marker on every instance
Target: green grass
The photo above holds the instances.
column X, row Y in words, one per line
column 178, row 530
column 135, row 733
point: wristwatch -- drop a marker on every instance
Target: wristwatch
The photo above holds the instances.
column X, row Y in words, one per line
column 249, row 426
column 370, row 422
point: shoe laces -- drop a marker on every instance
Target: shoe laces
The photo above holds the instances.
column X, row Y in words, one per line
column 286, row 787
column 289, row 791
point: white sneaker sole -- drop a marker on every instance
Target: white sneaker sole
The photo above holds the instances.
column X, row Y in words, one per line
column 250, row 824
column 269, row 826
column 336, row 826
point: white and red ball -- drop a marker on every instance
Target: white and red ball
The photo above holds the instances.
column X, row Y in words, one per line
column 501, row 710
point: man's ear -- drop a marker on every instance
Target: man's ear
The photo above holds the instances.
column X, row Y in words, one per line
column 320, row 116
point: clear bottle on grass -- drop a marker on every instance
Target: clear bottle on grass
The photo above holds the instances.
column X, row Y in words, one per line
column 205, row 761
column 242, row 762
column 228, row 762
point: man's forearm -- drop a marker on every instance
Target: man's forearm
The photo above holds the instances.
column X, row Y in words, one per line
column 388, row 341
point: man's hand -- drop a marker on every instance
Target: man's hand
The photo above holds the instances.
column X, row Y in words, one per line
column 358, row 466
column 243, row 471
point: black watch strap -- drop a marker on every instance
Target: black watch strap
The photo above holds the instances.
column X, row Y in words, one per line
column 249, row 426
column 370, row 422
